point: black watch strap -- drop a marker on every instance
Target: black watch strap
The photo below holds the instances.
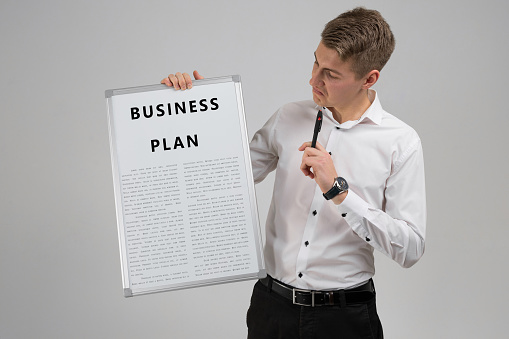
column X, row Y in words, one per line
column 340, row 185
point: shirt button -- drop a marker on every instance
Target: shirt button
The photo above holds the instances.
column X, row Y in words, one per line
column 343, row 215
column 300, row 275
column 315, row 212
column 306, row 243
column 337, row 127
column 367, row 239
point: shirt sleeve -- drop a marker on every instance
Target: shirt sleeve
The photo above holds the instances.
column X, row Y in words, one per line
column 398, row 229
column 264, row 154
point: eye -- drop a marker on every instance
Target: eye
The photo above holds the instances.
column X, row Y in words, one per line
column 331, row 75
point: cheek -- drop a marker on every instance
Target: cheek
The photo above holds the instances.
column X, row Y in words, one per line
column 341, row 89
column 335, row 90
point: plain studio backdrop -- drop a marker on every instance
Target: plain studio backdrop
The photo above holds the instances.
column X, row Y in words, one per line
column 59, row 260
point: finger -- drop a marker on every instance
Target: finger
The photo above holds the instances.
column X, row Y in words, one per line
column 320, row 147
column 174, row 81
column 304, row 145
column 312, row 152
column 306, row 170
column 306, row 165
column 181, row 81
column 166, row 82
column 197, row 75
column 308, row 144
column 187, row 79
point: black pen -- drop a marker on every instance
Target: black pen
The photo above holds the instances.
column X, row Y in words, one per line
column 318, row 127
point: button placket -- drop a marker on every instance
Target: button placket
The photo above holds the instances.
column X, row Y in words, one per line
column 313, row 216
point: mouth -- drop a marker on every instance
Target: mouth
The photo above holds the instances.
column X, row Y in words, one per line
column 316, row 91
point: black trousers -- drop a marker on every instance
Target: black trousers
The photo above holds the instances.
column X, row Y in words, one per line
column 271, row 316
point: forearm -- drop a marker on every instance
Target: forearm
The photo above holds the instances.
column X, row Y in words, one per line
column 398, row 238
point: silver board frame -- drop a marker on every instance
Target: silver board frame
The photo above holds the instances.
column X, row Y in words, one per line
column 260, row 272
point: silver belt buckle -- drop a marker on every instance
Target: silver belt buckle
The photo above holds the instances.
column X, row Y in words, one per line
column 305, row 291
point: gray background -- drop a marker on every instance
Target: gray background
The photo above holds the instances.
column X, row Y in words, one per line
column 59, row 262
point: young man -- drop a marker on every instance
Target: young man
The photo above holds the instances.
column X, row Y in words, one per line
column 360, row 189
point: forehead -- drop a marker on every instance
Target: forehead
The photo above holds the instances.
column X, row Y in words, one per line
column 329, row 58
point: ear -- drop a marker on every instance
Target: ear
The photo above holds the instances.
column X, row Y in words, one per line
column 370, row 79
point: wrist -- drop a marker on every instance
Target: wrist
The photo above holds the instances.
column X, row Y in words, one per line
column 338, row 190
column 338, row 199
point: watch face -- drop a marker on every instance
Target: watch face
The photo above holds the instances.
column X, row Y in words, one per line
column 342, row 183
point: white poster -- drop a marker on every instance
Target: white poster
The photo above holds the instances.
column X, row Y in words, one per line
column 184, row 189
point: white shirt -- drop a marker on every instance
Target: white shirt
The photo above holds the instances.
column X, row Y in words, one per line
column 312, row 243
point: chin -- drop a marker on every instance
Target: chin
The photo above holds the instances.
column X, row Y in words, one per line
column 318, row 101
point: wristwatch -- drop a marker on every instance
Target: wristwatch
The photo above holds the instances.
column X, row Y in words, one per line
column 340, row 185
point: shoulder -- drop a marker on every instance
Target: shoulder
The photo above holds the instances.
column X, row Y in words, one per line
column 396, row 136
column 297, row 107
column 297, row 111
column 400, row 130
column 293, row 121
column 405, row 142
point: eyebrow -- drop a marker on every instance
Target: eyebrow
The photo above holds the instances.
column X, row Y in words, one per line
column 328, row 69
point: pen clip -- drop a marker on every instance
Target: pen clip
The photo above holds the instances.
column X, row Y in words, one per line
column 319, row 119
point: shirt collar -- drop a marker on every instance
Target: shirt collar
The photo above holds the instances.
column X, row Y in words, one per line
column 372, row 115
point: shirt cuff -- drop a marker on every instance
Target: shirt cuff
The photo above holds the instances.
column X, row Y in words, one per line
column 353, row 209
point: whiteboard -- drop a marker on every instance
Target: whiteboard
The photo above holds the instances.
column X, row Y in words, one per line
column 183, row 185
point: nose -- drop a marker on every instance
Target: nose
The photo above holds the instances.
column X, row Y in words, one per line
column 315, row 79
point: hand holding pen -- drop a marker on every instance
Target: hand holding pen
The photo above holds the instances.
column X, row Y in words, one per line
column 316, row 162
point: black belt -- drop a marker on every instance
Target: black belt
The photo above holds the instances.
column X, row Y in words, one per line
column 301, row 297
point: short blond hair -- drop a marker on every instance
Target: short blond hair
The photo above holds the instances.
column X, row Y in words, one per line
column 362, row 36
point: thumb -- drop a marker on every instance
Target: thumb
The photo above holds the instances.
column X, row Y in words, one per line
column 197, row 75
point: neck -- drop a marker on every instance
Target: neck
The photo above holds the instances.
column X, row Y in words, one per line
column 355, row 109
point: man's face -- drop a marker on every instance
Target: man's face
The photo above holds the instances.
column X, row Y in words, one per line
column 333, row 81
